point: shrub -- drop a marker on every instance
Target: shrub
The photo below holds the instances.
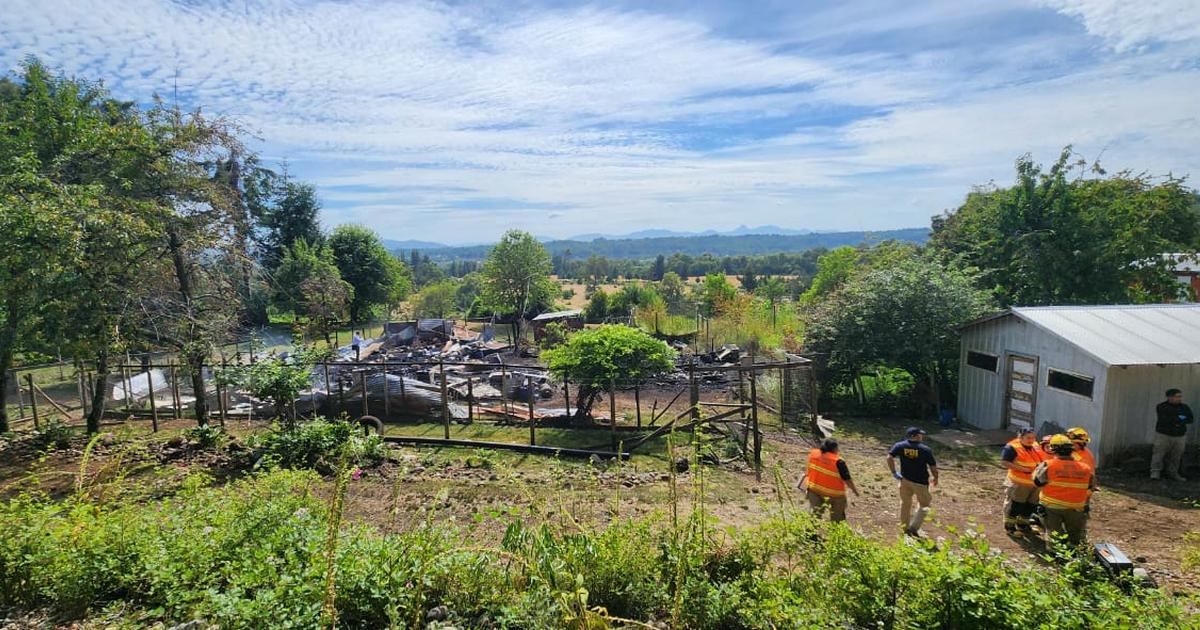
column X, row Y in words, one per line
column 204, row 437
column 318, row 442
column 53, row 435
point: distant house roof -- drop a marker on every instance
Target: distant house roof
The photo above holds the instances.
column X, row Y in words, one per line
column 558, row 315
column 1143, row 334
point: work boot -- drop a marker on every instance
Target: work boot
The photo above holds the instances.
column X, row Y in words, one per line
column 1177, row 477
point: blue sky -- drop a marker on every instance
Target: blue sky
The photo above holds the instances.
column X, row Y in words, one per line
column 452, row 121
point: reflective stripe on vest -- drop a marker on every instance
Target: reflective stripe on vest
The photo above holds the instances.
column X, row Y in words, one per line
column 1027, row 460
column 823, row 476
column 1084, row 455
column 1067, row 483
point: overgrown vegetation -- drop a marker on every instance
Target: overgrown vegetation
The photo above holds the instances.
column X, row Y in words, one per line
column 253, row 554
column 318, row 444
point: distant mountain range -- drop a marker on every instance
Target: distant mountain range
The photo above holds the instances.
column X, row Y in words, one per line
column 751, row 244
column 740, row 230
column 411, row 245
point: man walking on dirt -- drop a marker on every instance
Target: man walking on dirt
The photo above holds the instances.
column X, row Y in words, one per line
column 1020, row 456
column 826, row 480
column 918, row 471
column 1170, row 436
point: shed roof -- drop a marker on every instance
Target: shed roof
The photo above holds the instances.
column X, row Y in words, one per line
column 1142, row 334
column 557, row 315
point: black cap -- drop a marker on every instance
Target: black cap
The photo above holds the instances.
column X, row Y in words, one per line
column 914, row 431
column 1171, row 392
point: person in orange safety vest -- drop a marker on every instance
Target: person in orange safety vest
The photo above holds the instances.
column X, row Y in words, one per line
column 826, row 480
column 1066, row 485
column 1021, row 456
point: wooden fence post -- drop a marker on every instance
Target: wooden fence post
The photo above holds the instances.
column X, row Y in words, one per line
column 387, row 393
column 176, row 401
column 362, row 383
column 127, row 382
column 153, row 407
column 567, row 393
column 328, row 390
column 754, row 422
column 612, row 412
column 83, row 406
column 20, row 399
column 32, row 400
column 470, row 401
column 529, row 396
column 693, row 391
column 445, row 400
column 637, row 400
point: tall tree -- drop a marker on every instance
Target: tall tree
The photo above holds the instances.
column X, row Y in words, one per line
column 833, row 269
column 1073, row 235
column 439, row 299
column 903, row 314
column 660, row 268
column 378, row 278
column 516, row 276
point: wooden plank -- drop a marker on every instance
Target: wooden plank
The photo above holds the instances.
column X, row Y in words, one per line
column 554, row 451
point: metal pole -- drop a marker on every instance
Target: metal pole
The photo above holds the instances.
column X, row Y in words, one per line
column 532, row 423
column 153, row 407
column 32, row 400
column 445, row 401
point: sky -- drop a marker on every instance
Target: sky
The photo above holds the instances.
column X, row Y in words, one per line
column 452, row 121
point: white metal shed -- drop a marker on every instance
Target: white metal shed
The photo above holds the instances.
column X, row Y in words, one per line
column 1103, row 368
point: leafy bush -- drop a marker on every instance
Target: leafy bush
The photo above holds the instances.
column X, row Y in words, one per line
column 204, row 437
column 252, row 554
column 318, row 442
column 53, row 435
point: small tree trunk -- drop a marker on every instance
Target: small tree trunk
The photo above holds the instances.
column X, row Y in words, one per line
column 585, row 400
column 5, row 364
column 196, row 365
column 101, row 383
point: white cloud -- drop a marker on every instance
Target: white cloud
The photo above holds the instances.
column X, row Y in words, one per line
column 622, row 120
column 1128, row 24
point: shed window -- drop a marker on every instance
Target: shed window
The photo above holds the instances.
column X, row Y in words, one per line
column 982, row 360
column 1068, row 382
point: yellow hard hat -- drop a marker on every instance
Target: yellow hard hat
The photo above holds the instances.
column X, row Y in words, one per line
column 1078, row 434
column 1060, row 440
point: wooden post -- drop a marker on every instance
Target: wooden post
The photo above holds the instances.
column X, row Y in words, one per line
column 32, row 400
column 250, row 351
column 153, row 407
column 83, row 406
column 341, row 396
column 503, row 387
column 362, row 383
column 387, row 393
column 754, row 423
column 222, row 393
column 470, row 401
column 567, row 393
column 127, row 382
column 637, row 403
column 176, row 401
column 328, row 390
column 402, row 395
column 20, row 399
column 445, row 400
column 693, row 391
column 612, row 412
column 532, row 422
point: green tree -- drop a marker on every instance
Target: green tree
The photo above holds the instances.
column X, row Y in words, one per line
column 287, row 211
column 595, row 271
column 516, row 277
column 308, row 284
column 660, row 268
column 833, row 270
column 378, row 278
column 773, row 290
column 673, row 292
column 633, row 295
column 1073, row 235
column 438, row 300
column 904, row 315
column 715, row 291
column 595, row 358
column 597, row 307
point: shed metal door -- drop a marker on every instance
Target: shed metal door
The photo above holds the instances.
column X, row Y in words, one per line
column 1020, row 391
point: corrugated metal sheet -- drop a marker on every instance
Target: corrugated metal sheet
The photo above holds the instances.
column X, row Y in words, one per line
column 1125, row 335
